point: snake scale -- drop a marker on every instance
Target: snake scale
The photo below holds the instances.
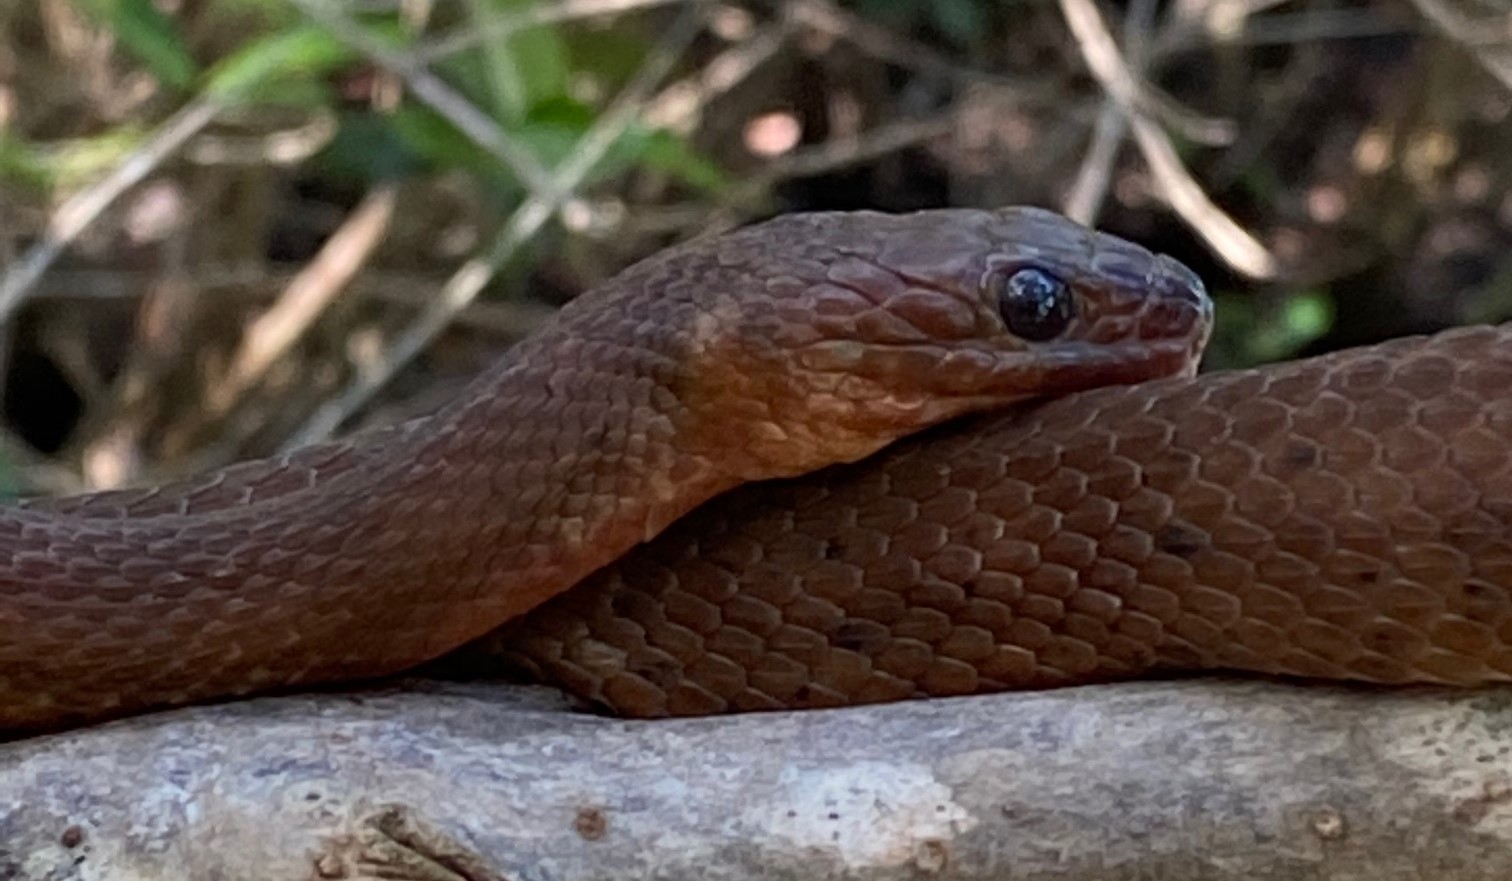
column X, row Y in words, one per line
column 1343, row 517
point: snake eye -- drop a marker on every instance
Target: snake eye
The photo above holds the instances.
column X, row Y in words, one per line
column 1036, row 305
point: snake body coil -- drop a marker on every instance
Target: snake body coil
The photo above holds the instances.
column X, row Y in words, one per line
column 1346, row 517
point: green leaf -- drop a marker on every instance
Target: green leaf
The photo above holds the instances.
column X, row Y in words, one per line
column 1305, row 318
column 512, row 74
column 144, row 31
column 556, row 126
column 541, row 60
column 607, row 58
column 550, row 134
column 497, row 62
column 666, row 152
column 467, row 74
column 298, row 55
column 432, row 138
column 553, row 127
column 1252, row 331
column 368, row 147
column 67, row 164
column 20, row 164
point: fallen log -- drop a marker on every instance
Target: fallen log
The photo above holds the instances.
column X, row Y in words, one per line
column 1199, row 779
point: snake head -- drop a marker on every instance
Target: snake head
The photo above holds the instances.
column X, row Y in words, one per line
column 820, row 338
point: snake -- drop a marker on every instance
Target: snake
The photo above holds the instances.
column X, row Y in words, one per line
column 768, row 353
column 969, row 452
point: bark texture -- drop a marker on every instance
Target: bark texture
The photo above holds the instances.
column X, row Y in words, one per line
column 1185, row 780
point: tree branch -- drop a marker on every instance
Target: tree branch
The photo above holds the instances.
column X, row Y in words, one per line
column 1190, row 780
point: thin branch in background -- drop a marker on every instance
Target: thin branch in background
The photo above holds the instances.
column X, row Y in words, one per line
column 1175, row 184
column 308, row 295
column 332, row 270
column 825, row 17
column 1084, row 200
column 537, row 14
column 286, row 147
column 839, row 153
column 1496, row 57
column 114, row 453
column 819, row 159
column 1130, row 90
column 679, row 106
column 1186, row 197
column 81, row 210
column 1280, row 104
column 432, row 91
column 247, row 284
column 1289, row 29
column 465, row 285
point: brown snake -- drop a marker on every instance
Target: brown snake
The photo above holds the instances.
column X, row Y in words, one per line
column 767, row 353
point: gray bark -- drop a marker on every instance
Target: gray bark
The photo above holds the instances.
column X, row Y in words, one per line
column 1190, row 780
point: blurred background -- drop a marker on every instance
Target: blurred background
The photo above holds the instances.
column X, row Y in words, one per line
column 232, row 226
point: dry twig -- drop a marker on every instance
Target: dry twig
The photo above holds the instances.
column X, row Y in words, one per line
column 307, row 296
column 535, row 15
column 1495, row 56
column 80, row 211
column 465, row 285
column 436, row 94
column 1182, row 191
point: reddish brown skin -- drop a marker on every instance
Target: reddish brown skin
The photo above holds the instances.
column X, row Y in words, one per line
column 1343, row 518
column 767, row 353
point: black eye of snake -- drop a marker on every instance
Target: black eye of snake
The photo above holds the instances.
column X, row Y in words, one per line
column 1034, row 304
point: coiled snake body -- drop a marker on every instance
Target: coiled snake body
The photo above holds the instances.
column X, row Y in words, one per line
column 1344, row 517
column 1347, row 517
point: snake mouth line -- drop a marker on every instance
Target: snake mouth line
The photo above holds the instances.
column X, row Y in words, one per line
column 985, row 371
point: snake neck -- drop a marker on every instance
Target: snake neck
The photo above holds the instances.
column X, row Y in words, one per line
column 343, row 560
column 528, row 491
